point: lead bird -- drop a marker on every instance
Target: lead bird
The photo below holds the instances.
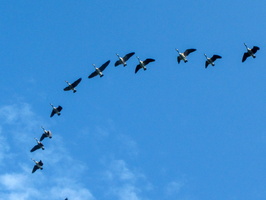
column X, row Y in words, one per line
column 211, row 60
column 46, row 134
column 122, row 60
column 39, row 145
column 38, row 165
column 72, row 86
column 250, row 52
column 98, row 71
column 183, row 56
column 142, row 64
column 56, row 110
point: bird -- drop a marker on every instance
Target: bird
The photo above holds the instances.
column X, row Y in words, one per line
column 56, row 110
column 72, row 86
column 46, row 134
column 122, row 60
column 183, row 56
column 250, row 52
column 39, row 145
column 211, row 60
column 98, row 71
column 142, row 64
column 38, row 165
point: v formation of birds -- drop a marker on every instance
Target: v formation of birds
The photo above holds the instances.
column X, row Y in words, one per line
column 122, row 61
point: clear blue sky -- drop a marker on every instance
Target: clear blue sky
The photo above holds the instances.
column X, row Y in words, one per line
column 172, row 132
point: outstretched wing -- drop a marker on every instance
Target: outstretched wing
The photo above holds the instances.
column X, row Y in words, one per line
column 255, row 49
column 67, row 88
column 59, row 108
column 126, row 57
column 118, row 63
column 34, row 168
column 148, row 60
column 95, row 73
column 178, row 59
column 206, row 64
column 137, row 68
column 52, row 113
column 35, row 148
column 188, row 51
column 43, row 136
column 104, row 66
column 245, row 56
column 75, row 84
column 214, row 57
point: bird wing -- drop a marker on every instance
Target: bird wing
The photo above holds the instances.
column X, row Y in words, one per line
column 137, row 68
column 52, row 113
column 76, row 82
column 104, row 66
column 255, row 49
column 206, row 64
column 214, row 57
column 95, row 73
column 118, row 62
column 35, row 148
column 34, row 168
column 67, row 88
column 43, row 136
column 148, row 60
column 245, row 56
column 59, row 108
column 178, row 59
column 126, row 57
column 41, row 163
column 188, row 51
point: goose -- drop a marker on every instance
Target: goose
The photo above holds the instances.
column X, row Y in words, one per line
column 142, row 64
column 72, row 86
column 122, row 60
column 211, row 60
column 183, row 56
column 56, row 110
column 46, row 134
column 98, row 71
column 38, row 165
column 39, row 145
column 250, row 52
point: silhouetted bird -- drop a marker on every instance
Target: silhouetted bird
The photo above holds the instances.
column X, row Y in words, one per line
column 98, row 71
column 122, row 60
column 142, row 64
column 56, row 110
column 211, row 60
column 183, row 56
column 72, row 86
column 39, row 145
column 46, row 134
column 250, row 52
column 38, row 165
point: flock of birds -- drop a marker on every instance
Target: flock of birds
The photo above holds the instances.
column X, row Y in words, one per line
column 122, row 61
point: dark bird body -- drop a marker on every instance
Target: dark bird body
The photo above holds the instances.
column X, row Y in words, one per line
column 183, row 56
column 46, row 134
column 39, row 145
column 56, row 110
column 72, row 86
column 250, row 52
column 98, row 71
column 122, row 60
column 38, row 165
column 211, row 60
column 142, row 64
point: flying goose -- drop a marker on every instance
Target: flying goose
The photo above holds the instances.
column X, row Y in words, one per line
column 46, row 134
column 39, row 145
column 211, row 60
column 122, row 60
column 142, row 64
column 183, row 56
column 38, row 165
column 98, row 71
column 250, row 52
column 56, row 110
column 72, row 86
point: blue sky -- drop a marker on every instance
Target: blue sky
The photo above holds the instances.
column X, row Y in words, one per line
column 174, row 131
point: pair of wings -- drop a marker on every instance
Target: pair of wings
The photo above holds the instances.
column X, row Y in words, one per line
column 73, row 85
column 36, row 167
column 125, row 58
column 145, row 62
column 44, row 135
column 186, row 53
column 59, row 108
column 95, row 73
column 253, row 50
column 37, row 146
column 213, row 58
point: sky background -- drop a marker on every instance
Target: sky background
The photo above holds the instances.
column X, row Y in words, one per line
column 172, row 132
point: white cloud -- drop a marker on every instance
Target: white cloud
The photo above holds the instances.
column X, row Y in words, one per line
column 173, row 188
